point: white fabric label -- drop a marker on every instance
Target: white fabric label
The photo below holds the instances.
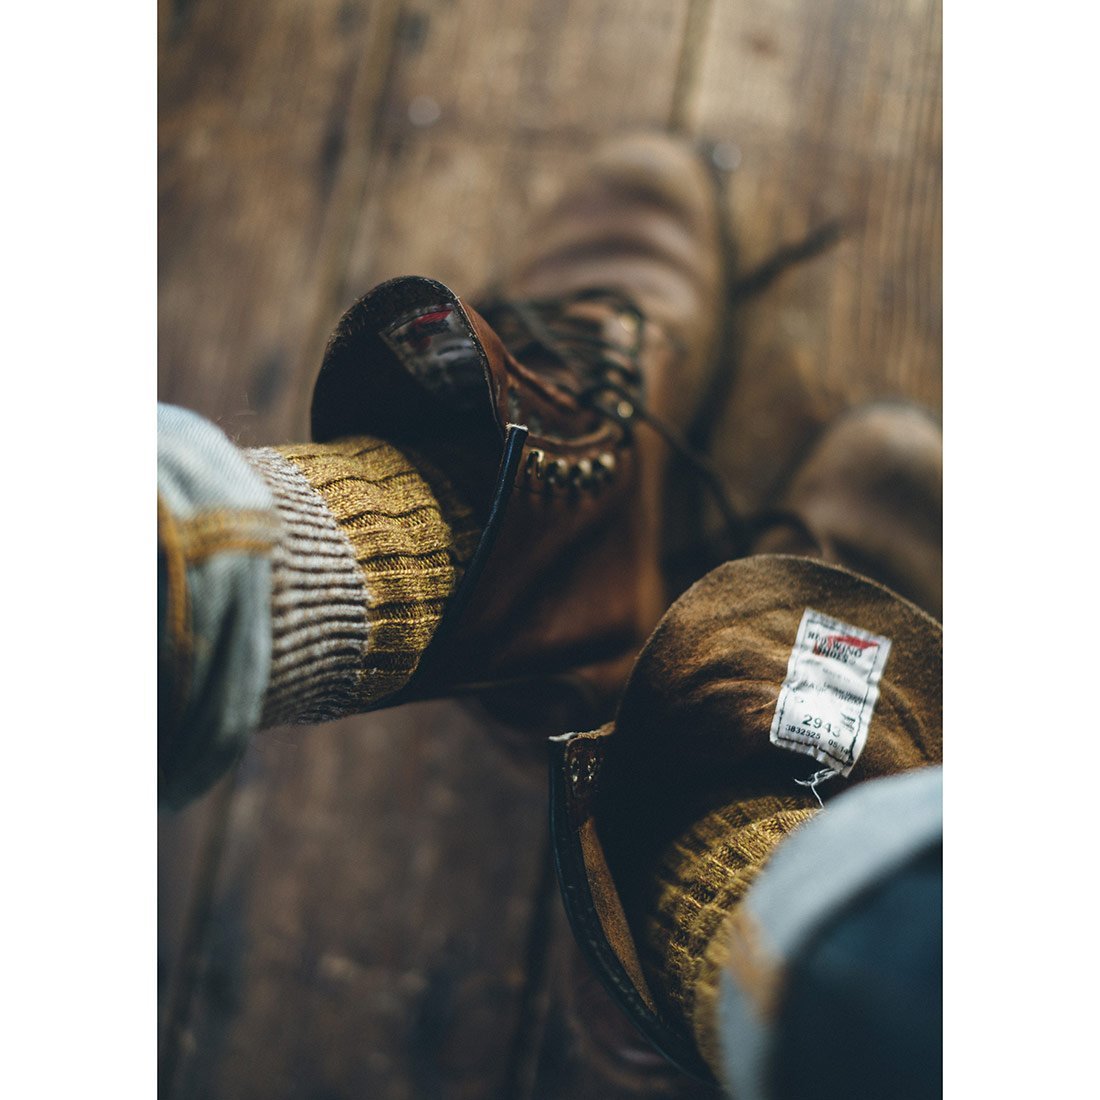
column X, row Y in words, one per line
column 436, row 347
column 826, row 701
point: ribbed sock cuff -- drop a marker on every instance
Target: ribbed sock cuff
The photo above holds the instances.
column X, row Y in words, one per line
column 320, row 622
column 700, row 879
column 375, row 544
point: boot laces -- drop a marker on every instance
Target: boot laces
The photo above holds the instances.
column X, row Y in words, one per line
column 612, row 381
column 547, row 328
column 610, row 376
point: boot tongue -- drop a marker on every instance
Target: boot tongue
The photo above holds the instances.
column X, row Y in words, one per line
column 406, row 365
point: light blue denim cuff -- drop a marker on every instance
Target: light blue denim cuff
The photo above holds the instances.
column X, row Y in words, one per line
column 224, row 525
column 857, row 840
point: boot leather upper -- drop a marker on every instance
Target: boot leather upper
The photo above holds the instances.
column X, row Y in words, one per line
column 693, row 732
column 571, row 586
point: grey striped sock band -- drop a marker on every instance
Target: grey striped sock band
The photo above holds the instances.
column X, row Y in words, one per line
column 318, row 605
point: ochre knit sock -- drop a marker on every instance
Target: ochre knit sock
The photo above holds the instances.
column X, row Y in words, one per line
column 375, row 543
column 699, row 880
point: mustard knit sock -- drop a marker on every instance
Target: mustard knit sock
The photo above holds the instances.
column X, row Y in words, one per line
column 375, row 543
column 699, row 879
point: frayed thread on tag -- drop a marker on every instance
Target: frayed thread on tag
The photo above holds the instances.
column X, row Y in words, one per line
column 817, row 777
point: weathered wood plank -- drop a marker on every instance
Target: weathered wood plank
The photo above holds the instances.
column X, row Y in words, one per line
column 368, row 930
column 254, row 114
column 187, row 844
column 830, row 110
column 496, row 72
column 487, row 108
column 452, row 210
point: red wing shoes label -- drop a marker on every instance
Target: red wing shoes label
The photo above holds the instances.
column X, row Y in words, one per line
column 436, row 347
column 826, row 701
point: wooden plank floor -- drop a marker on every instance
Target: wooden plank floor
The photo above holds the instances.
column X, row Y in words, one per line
column 366, row 909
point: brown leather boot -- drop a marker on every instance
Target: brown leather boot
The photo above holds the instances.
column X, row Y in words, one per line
column 540, row 408
column 869, row 495
column 660, row 818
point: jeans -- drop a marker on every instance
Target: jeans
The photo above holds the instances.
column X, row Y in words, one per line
column 847, row 920
column 216, row 528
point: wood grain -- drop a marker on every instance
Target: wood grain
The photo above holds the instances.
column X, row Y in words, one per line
column 255, row 104
column 368, row 932
column 832, row 111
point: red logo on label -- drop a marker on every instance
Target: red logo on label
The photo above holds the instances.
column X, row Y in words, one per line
column 418, row 334
column 848, row 639
column 841, row 646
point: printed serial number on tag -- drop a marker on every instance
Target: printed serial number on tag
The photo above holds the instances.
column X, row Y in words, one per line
column 826, row 702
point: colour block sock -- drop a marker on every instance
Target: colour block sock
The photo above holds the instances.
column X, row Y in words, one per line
column 375, row 542
column 698, row 881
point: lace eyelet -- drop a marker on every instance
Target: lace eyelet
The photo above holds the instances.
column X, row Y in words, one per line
column 582, row 474
column 535, row 459
column 557, row 472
